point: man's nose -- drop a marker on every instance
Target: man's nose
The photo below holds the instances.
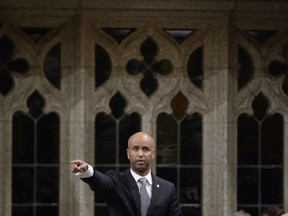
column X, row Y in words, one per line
column 140, row 153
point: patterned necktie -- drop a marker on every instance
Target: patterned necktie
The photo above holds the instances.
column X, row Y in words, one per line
column 144, row 197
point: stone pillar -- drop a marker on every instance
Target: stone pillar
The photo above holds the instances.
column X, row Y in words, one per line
column 5, row 159
column 219, row 172
column 78, row 141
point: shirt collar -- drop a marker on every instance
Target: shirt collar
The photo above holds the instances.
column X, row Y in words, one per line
column 137, row 177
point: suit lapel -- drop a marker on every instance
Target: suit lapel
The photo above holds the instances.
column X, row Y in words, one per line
column 155, row 192
column 134, row 190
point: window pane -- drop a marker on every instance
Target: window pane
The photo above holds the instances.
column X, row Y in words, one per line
column 272, row 140
column 247, row 140
column 191, row 140
column 47, row 185
column 23, row 139
column 102, row 65
column 245, row 67
column 22, row 210
column 195, row 211
column 52, row 66
column 247, row 187
column 166, row 139
column 101, row 211
column 190, row 185
column 195, row 67
column 272, row 186
column 47, row 210
column 22, row 185
column 48, row 139
column 105, row 139
column 168, row 173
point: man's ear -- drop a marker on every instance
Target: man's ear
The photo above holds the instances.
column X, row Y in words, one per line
column 154, row 154
column 127, row 151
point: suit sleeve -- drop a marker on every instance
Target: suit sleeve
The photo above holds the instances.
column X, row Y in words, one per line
column 175, row 209
column 100, row 183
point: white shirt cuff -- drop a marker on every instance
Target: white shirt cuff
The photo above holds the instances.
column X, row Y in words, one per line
column 88, row 173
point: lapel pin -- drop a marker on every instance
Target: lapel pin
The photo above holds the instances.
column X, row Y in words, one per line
column 158, row 185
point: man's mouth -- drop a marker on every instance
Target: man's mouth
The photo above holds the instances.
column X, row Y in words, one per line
column 140, row 162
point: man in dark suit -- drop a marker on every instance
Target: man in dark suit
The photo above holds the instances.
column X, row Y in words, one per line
column 125, row 193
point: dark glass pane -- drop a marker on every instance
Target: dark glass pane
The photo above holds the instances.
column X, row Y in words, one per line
column 272, row 186
column 48, row 132
column 6, row 81
column 180, row 35
column 195, row 211
column 129, row 125
column 248, row 136
column 20, row 65
column 22, row 210
column 35, row 103
column 247, row 186
column 47, row 184
column 118, row 34
column 117, row 105
column 168, row 173
column 261, row 35
column 36, row 33
column 148, row 50
column 22, row 139
column 22, row 185
column 195, row 67
column 135, row 67
column 245, row 67
column 272, row 139
column 285, row 51
column 191, row 140
column 190, row 185
column 105, row 139
column 47, row 210
column 148, row 84
column 6, row 49
column 285, row 85
column 101, row 211
column 103, row 65
column 276, row 68
column 260, row 106
column 179, row 105
column 166, row 139
column 52, row 66
column 163, row 67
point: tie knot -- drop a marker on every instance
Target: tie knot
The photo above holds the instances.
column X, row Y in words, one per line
column 143, row 181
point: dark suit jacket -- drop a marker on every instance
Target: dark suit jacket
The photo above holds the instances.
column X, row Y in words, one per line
column 121, row 193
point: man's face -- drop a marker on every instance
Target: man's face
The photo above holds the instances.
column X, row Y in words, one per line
column 140, row 153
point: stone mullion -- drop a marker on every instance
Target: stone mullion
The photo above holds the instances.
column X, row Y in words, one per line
column 80, row 128
column 6, row 170
column 218, row 195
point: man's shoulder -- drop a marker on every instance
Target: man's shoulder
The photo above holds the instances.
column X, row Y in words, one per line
column 117, row 174
column 162, row 181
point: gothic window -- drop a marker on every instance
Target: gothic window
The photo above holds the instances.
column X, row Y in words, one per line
column 35, row 160
column 179, row 153
column 260, row 158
